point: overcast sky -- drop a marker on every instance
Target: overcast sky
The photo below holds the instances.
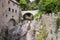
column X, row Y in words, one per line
column 31, row 0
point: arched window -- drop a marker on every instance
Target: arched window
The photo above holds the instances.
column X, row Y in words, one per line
column 12, row 22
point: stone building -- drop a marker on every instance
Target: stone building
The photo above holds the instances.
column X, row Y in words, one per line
column 9, row 16
column 1, row 15
column 9, row 12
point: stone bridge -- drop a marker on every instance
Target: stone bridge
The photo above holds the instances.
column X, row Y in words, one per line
column 33, row 12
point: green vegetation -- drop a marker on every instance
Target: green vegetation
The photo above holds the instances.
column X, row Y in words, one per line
column 57, row 24
column 43, row 35
column 38, row 14
column 48, row 5
column 44, row 6
column 27, row 5
column 6, row 35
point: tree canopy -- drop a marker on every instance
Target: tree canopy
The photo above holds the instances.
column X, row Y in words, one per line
column 27, row 5
column 42, row 5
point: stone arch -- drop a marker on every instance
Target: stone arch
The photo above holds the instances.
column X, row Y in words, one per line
column 28, row 16
column 12, row 22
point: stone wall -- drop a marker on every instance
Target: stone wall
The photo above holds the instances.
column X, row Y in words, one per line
column 50, row 21
column 1, row 14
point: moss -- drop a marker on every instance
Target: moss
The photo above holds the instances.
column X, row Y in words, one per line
column 6, row 35
column 43, row 35
column 39, row 14
column 57, row 23
column 57, row 26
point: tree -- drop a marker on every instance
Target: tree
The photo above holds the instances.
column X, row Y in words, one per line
column 23, row 4
column 46, row 6
column 27, row 5
column 58, row 5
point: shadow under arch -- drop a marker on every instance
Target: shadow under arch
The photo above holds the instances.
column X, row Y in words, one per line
column 28, row 16
column 12, row 22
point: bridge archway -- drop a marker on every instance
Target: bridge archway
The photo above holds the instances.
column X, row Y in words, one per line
column 28, row 16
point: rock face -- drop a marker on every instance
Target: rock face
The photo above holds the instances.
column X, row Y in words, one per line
column 28, row 29
column 24, row 31
column 50, row 22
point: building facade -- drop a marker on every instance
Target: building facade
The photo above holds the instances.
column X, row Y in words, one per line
column 9, row 12
column 1, row 15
